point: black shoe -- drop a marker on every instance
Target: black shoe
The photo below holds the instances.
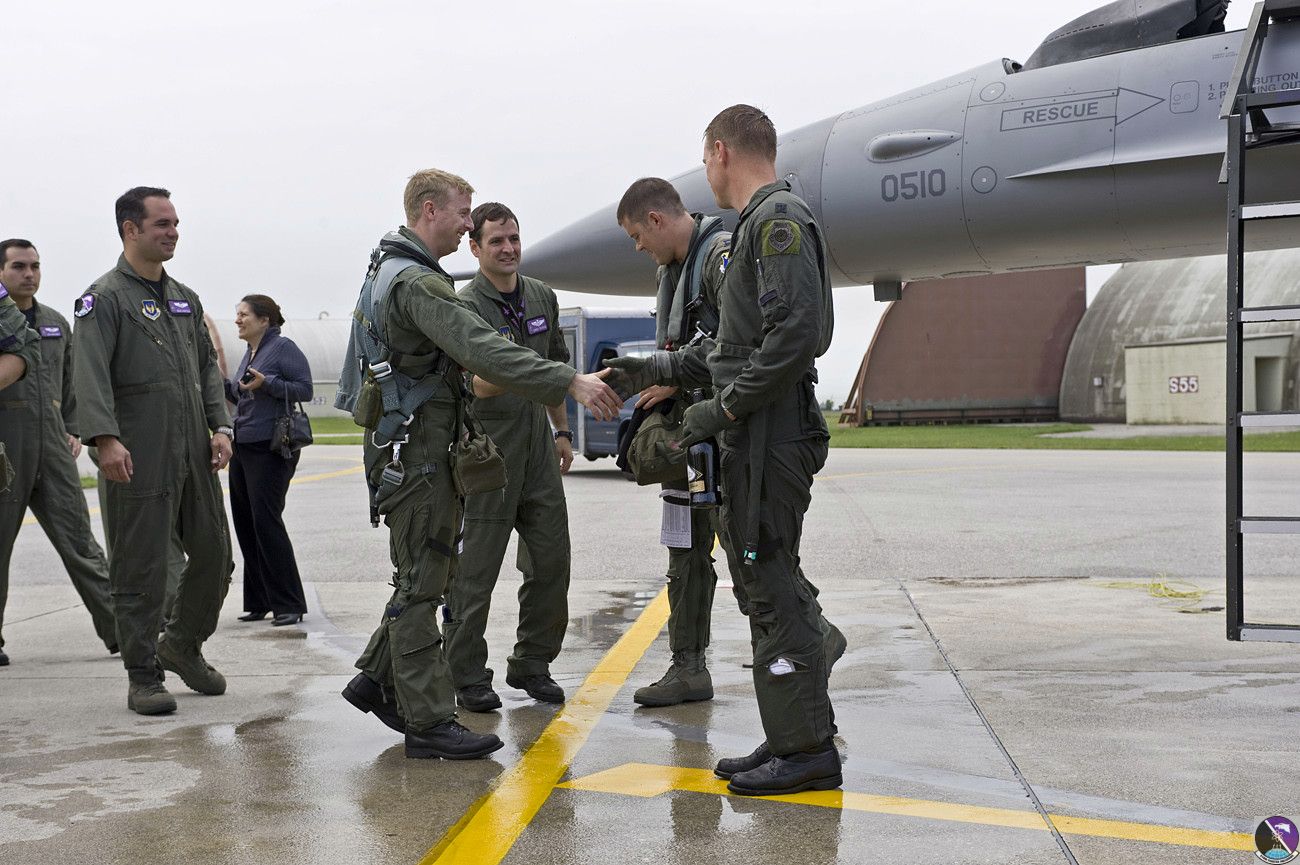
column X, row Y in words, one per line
column 450, row 741
column 478, row 698
column 252, row 617
column 729, row 766
column 793, row 773
column 540, row 687
column 4, row 659
column 364, row 693
column 282, row 619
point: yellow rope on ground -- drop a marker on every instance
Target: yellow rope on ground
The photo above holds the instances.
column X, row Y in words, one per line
column 1185, row 597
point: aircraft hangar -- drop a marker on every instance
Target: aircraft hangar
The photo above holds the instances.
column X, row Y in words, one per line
column 1150, row 348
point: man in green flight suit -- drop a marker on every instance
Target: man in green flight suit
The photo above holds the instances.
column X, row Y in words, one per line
column 526, row 312
column 776, row 318
column 149, row 396
column 38, row 426
column 691, row 251
column 429, row 334
column 20, row 353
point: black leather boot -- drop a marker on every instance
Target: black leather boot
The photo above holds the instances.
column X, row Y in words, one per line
column 450, row 741
column 793, row 773
column 364, row 693
column 729, row 766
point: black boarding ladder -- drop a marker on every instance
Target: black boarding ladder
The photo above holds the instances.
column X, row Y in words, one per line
column 1249, row 129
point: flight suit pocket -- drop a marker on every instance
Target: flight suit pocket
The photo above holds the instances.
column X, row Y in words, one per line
column 414, row 638
column 771, row 299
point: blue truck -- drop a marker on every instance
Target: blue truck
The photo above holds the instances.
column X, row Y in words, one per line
column 593, row 335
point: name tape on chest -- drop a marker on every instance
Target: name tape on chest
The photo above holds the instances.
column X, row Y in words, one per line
column 537, row 325
column 179, row 307
column 51, row 331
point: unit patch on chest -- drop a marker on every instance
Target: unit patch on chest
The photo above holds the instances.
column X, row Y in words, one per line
column 507, row 332
column 149, row 308
column 537, row 325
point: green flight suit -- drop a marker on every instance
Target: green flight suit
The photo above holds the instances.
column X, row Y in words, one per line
column 532, row 504
column 421, row 314
column 776, row 318
column 15, row 338
column 146, row 372
column 691, row 577
column 37, row 415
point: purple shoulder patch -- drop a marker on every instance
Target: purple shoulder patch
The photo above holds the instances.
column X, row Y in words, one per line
column 4, row 292
column 84, row 306
column 51, row 331
column 179, row 307
column 537, row 325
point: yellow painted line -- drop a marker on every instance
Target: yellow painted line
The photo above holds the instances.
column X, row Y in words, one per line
column 640, row 779
column 492, row 825
column 307, row 479
column 934, row 471
column 304, row 479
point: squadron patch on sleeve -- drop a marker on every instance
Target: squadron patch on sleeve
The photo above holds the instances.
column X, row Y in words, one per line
column 84, row 305
column 779, row 237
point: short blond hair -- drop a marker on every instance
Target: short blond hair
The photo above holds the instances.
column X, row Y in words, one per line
column 434, row 185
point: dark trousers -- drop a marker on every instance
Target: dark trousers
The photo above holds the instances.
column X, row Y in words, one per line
column 259, row 480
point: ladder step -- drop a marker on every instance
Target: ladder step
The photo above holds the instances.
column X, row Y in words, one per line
column 1270, row 525
column 1276, row 210
column 1276, row 99
column 1271, row 313
column 1270, row 418
column 1271, row 633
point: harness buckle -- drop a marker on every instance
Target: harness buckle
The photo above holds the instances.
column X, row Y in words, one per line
column 381, row 370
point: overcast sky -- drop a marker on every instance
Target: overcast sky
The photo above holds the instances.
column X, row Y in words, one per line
column 286, row 129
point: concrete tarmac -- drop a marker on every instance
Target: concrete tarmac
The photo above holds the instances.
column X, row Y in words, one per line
column 1012, row 693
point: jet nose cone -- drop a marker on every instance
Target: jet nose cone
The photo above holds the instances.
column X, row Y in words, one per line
column 592, row 255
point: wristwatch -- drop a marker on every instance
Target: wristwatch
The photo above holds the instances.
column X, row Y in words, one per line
column 228, row 432
column 564, row 434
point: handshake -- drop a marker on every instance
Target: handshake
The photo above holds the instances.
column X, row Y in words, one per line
column 631, row 375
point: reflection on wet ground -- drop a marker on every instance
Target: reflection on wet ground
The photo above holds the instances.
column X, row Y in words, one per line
column 1119, row 713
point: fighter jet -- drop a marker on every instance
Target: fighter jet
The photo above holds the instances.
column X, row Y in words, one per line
column 1105, row 146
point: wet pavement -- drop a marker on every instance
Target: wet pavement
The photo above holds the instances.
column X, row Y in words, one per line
column 1004, row 662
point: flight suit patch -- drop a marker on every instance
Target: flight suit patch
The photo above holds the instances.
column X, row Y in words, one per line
column 179, row 307
column 149, row 308
column 51, row 331
column 84, row 306
column 779, row 237
column 537, row 325
column 507, row 332
column 4, row 292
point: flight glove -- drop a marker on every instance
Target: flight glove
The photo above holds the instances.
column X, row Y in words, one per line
column 634, row 374
column 704, row 420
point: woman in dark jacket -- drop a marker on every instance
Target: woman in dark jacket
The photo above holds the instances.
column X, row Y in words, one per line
column 273, row 374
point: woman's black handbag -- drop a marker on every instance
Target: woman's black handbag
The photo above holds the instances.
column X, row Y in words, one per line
column 292, row 430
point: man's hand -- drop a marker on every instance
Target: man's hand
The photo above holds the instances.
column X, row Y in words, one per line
column 655, row 394
column 564, row 450
column 220, row 451
column 598, row 397
column 635, row 374
column 704, row 420
column 74, row 445
column 257, row 381
column 114, row 460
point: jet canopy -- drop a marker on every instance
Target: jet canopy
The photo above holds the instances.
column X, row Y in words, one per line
column 1128, row 24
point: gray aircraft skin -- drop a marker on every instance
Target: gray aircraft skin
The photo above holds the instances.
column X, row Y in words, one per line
column 1106, row 159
